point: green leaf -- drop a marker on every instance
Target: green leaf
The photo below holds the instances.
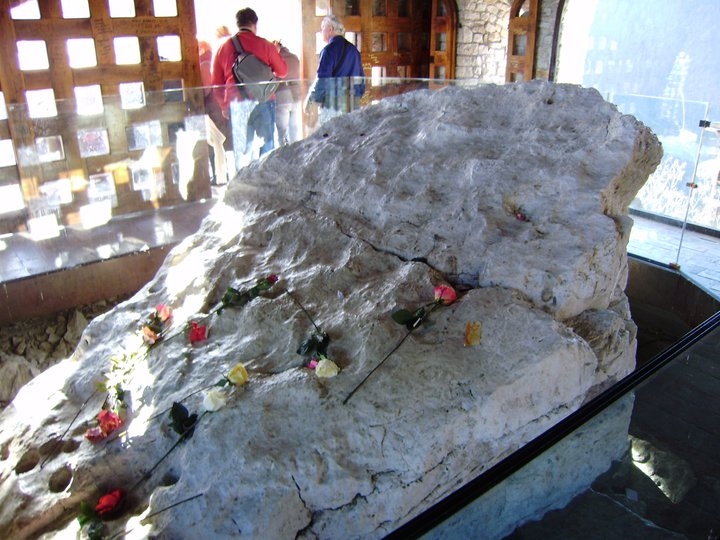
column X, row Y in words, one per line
column 402, row 316
column 316, row 344
column 182, row 422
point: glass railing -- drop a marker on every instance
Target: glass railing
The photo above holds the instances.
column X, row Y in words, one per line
column 682, row 197
column 638, row 461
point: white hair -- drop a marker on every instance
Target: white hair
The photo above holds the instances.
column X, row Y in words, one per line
column 335, row 24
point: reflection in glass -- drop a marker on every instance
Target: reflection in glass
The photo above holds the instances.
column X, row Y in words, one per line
column 57, row 192
column 95, row 214
column 127, row 50
column 49, row 148
column 89, row 100
column 41, row 103
column 132, row 95
column 143, row 179
column 377, row 74
column 101, row 187
column 169, row 48
column 93, row 142
column 440, row 72
column 81, row 53
column 32, row 55
column 75, row 9
column 145, row 135
column 43, row 227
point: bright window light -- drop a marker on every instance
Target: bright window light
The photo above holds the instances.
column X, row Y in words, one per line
column 81, row 53
column 41, row 103
column 121, row 8
column 75, row 9
column 89, row 100
column 169, row 48
column 127, row 50
column 11, row 198
column 32, row 55
column 165, row 8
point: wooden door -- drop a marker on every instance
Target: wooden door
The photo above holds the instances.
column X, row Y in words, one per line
column 443, row 39
column 522, row 31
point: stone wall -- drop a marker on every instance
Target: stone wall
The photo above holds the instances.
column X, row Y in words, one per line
column 483, row 37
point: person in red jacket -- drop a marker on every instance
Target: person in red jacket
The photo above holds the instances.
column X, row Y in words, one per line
column 262, row 118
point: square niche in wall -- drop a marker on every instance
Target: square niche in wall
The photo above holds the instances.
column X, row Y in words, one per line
column 93, row 142
column 132, row 95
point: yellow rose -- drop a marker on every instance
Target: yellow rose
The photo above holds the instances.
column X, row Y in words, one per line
column 238, row 375
column 214, row 400
column 326, row 368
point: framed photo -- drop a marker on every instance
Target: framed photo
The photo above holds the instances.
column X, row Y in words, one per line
column 93, row 142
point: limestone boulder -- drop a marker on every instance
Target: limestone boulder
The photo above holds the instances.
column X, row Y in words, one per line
column 514, row 195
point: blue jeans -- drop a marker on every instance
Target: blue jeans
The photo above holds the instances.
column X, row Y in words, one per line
column 262, row 123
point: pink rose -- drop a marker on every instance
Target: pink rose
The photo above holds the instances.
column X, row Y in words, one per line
column 445, row 294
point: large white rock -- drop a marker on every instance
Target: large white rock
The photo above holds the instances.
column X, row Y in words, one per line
column 517, row 195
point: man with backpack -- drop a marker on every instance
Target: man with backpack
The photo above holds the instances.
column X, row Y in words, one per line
column 261, row 121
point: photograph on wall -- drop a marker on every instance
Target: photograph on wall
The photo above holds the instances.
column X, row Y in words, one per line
column 93, row 142
column 101, row 187
column 143, row 179
column 49, row 148
column 145, row 135
column 56, row 192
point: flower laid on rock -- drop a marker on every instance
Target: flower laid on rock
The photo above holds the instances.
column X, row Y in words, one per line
column 107, row 422
column 326, row 368
column 444, row 296
column 238, row 375
column 197, row 333
column 314, row 348
column 235, row 298
column 156, row 324
column 214, row 400
column 110, row 504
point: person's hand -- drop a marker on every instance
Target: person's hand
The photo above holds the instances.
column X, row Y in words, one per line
column 222, row 32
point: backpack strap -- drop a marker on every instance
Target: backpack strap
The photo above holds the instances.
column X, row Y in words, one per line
column 236, row 43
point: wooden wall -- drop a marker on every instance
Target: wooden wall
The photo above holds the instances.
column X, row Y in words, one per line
column 134, row 144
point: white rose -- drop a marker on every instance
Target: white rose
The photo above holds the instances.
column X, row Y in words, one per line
column 326, row 368
column 214, row 400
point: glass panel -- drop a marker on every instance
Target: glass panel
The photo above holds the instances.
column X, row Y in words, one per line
column 379, row 8
column 441, row 9
column 441, row 41
column 169, row 48
column 403, row 8
column 378, row 74
column 89, row 100
column 519, row 44
column 121, row 8
column 378, row 43
column 49, row 149
column 132, row 95
column 127, row 50
column 440, row 72
column 75, row 9
column 322, row 8
column 404, row 41
column 165, row 8
column 93, row 142
column 32, row 55
column 354, row 38
column 41, row 103
column 81, row 53
column 26, row 10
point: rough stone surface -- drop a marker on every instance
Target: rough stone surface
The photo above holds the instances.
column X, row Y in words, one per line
column 515, row 195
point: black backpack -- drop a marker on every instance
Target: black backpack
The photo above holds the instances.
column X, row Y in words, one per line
column 256, row 76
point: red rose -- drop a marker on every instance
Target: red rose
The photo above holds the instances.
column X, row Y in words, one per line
column 197, row 333
column 272, row 278
column 109, row 421
column 445, row 294
column 109, row 504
